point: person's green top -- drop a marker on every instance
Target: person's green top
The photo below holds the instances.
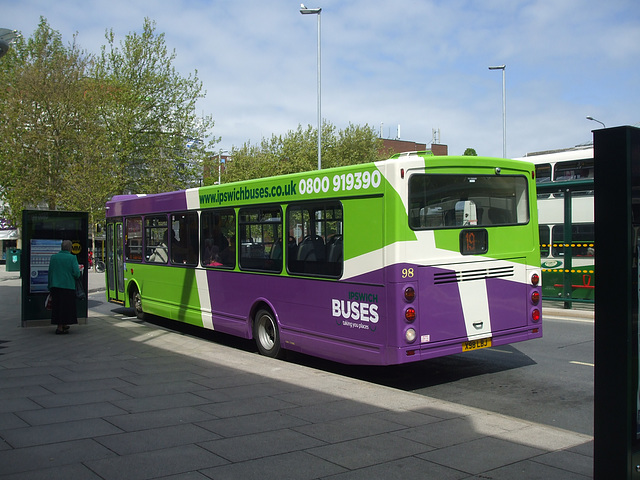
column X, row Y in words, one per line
column 63, row 270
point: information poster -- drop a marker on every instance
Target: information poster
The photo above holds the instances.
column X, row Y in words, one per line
column 41, row 251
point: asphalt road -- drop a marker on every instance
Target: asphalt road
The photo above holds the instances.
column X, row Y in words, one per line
column 547, row 380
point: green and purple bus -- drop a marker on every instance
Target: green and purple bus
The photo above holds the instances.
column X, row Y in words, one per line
column 397, row 261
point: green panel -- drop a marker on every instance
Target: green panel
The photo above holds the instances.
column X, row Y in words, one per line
column 509, row 240
column 168, row 291
column 342, row 182
column 582, row 279
column 362, row 226
column 512, row 241
column 397, row 228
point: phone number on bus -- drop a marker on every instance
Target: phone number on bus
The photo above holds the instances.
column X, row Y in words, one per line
column 344, row 182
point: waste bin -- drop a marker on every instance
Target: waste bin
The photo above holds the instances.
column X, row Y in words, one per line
column 13, row 260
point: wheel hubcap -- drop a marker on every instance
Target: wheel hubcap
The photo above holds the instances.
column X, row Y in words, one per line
column 266, row 332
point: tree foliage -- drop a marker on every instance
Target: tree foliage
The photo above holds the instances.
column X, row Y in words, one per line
column 77, row 128
column 41, row 119
column 297, row 151
column 470, row 152
column 150, row 114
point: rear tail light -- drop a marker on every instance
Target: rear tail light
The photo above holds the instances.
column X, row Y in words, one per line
column 409, row 294
column 535, row 315
column 410, row 314
column 535, row 298
column 535, row 279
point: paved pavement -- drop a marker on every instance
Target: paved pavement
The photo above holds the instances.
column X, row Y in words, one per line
column 122, row 399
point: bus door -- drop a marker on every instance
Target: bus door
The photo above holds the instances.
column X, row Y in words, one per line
column 115, row 263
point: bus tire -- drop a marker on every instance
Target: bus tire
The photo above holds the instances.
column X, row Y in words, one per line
column 136, row 303
column 267, row 334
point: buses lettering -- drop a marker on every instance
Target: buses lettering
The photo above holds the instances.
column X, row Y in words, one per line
column 365, row 312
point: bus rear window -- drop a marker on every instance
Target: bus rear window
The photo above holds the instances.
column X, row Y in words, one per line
column 454, row 201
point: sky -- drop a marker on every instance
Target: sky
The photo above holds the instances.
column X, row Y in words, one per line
column 403, row 67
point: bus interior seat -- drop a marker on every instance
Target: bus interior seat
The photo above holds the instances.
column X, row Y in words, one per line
column 334, row 249
column 311, row 249
column 276, row 250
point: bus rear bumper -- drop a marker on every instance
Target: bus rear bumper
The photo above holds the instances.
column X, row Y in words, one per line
column 421, row 352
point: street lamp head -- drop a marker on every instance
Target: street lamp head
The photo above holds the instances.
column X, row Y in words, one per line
column 589, row 117
column 499, row 67
column 309, row 11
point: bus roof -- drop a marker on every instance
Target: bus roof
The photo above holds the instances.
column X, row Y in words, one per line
column 575, row 153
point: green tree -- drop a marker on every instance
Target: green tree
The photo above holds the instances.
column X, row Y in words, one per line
column 150, row 113
column 470, row 152
column 46, row 126
column 297, row 152
column 75, row 129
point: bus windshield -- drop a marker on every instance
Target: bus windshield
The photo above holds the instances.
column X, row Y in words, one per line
column 453, row 200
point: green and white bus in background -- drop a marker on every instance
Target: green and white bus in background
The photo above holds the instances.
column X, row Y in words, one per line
column 558, row 168
column 397, row 261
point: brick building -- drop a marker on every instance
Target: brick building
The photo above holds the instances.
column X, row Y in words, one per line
column 400, row 146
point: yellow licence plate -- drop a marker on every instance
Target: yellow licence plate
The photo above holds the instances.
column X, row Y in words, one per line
column 476, row 344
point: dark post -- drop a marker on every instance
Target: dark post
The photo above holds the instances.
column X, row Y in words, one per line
column 567, row 276
column 617, row 209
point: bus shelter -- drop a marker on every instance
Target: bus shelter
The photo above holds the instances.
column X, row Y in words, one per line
column 42, row 235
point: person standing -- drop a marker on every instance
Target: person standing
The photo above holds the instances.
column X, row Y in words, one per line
column 63, row 273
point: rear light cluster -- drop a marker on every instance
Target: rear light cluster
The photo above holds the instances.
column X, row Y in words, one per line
column 535, row 298
column 410, row 314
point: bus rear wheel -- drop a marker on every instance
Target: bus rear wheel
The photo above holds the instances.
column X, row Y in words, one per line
column 136, row 303
column 267, row 334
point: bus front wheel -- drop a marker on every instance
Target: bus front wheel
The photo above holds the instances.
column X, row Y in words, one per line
column 136, row 303
column 267, row 334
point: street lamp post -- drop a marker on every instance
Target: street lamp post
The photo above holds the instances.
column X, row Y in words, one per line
column 220, row 166
column 504, row 110
column 316, row 11
column 589, row 117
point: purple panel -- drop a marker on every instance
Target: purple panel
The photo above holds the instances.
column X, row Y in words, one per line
column 134, row 205
column 441, row 316
column 345, row 318
column 507, row 304
column 364, row 323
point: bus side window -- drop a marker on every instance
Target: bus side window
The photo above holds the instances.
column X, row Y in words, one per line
column 133, row 239
column 156, row 243
column 184, row 238
column 260, row 231
column 315, row 245
column 217, row 238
